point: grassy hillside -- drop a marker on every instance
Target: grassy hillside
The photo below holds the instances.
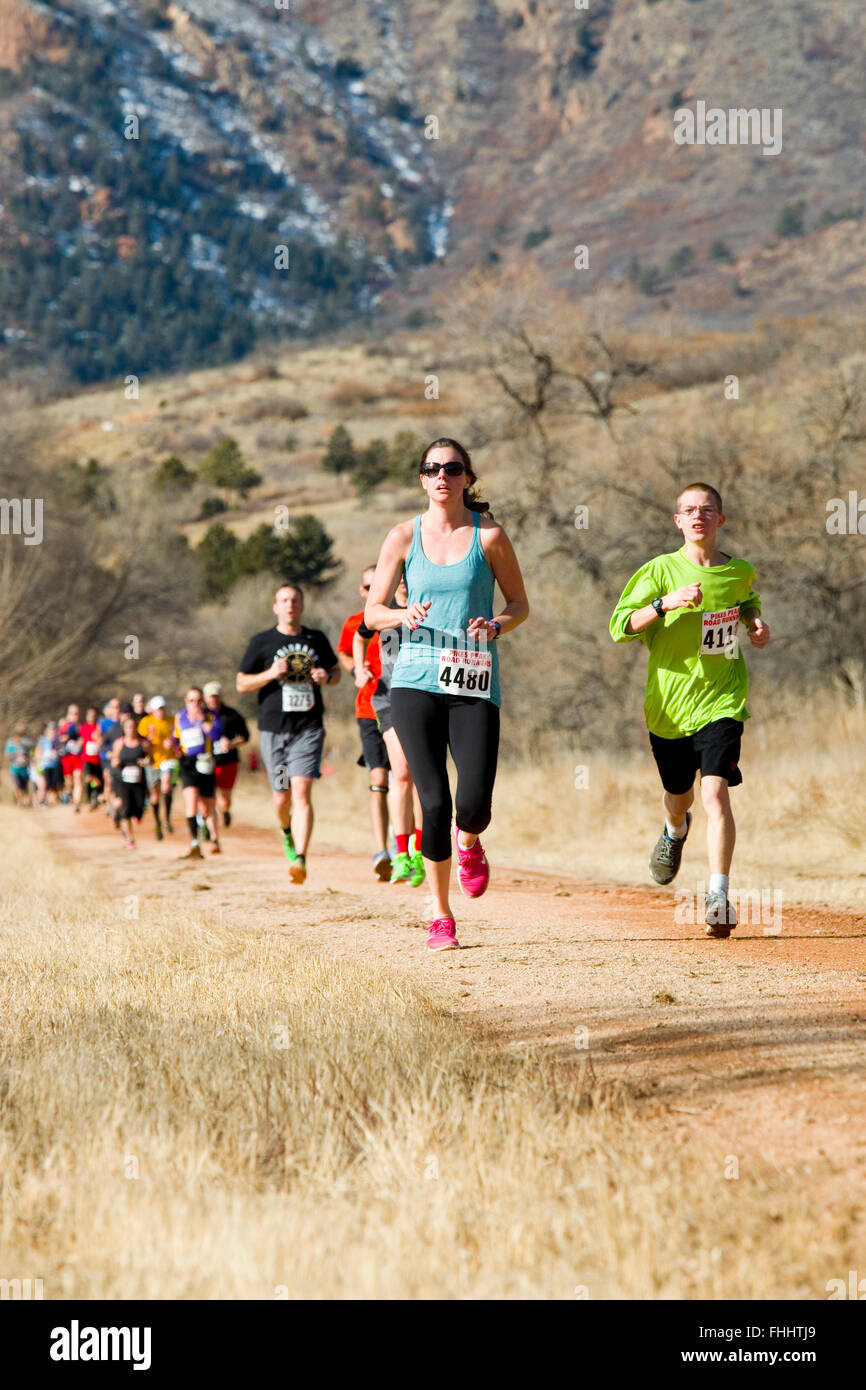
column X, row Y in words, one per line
column 562, row 413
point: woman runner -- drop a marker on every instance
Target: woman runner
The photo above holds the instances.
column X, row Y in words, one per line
column 128, row 756
column 445, row 685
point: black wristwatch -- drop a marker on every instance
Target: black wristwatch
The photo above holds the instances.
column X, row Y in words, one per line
column 657, row 605
column 493, row 623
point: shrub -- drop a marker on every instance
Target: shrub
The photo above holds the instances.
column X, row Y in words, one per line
column 304, row 552
column 223, row 466
column 352, row 393
column 371, row 467
column 212, row 506
column 720, row 252
column 789, row 223
column 173, row 473
column 217, row 554
column 536, row 236
column 680, row 259
column 396, row 107
column 340, row 455
column 403, row 456
column 831, row 215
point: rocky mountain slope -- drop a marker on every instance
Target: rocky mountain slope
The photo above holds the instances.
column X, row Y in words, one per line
column 180, row 180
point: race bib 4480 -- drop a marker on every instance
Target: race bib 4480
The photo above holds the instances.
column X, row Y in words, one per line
column 719, row 633
column 465, row 673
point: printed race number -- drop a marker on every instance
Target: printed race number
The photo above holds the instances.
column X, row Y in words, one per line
column 465, row 673
column 297, row 699
column 719, row 633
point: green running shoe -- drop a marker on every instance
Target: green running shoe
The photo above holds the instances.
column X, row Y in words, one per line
column 419, row 873
column 401, row 868
column 289, row 847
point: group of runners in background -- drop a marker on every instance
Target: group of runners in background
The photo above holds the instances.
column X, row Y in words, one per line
column 423, row 654
column 131, row 757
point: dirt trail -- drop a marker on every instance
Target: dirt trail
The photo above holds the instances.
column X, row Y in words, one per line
column 760, row 1041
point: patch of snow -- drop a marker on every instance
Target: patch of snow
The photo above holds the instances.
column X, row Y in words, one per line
column 205, row 254
column 403, row 167
column 250, row 208
column 438, row 224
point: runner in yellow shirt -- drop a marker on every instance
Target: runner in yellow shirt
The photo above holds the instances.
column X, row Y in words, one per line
column 161, row 767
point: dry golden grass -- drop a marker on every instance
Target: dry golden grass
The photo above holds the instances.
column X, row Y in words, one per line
column 189, row 1109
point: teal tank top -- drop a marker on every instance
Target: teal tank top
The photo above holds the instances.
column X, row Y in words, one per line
column 458, row 593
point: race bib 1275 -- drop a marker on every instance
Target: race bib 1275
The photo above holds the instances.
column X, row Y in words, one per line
column 297, row 699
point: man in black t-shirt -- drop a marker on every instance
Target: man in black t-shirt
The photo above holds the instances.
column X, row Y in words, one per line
column 226, row 758
column 287, row 665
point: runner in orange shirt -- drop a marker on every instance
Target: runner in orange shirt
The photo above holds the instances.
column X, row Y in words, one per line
column 374, row 754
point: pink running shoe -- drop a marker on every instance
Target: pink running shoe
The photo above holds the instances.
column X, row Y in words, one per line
column 442, row 935
column 473, row 870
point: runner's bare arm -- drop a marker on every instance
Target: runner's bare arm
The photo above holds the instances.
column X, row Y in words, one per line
column 757, row 629
column 359, row 668
column 389, row 568
column 246, row 683
column 321, row 676
column 506, row 569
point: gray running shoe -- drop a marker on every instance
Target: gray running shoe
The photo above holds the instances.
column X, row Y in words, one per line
column 665, row 858
column 721, row 914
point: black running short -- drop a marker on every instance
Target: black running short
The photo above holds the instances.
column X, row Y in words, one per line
column 374, row 753
column 133, row 797
column 204, row 782
column 714, row 751
column 53, row 778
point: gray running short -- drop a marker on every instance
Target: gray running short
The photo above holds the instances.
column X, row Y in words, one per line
column 153, row 775
column 288, row 755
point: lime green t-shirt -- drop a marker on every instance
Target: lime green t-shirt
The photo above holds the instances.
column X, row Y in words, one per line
column 695, row 675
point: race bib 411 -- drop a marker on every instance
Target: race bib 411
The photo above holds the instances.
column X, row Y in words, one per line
column 719, row 633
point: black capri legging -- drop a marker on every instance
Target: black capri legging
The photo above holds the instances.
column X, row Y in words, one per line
column 427, row 726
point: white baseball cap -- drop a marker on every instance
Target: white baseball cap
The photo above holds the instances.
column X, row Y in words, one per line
column 156, row 703
column 213, row 688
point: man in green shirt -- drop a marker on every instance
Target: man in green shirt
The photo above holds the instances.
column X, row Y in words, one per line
column 686, row 607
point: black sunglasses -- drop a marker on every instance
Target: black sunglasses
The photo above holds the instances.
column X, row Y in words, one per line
column 453, row 469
